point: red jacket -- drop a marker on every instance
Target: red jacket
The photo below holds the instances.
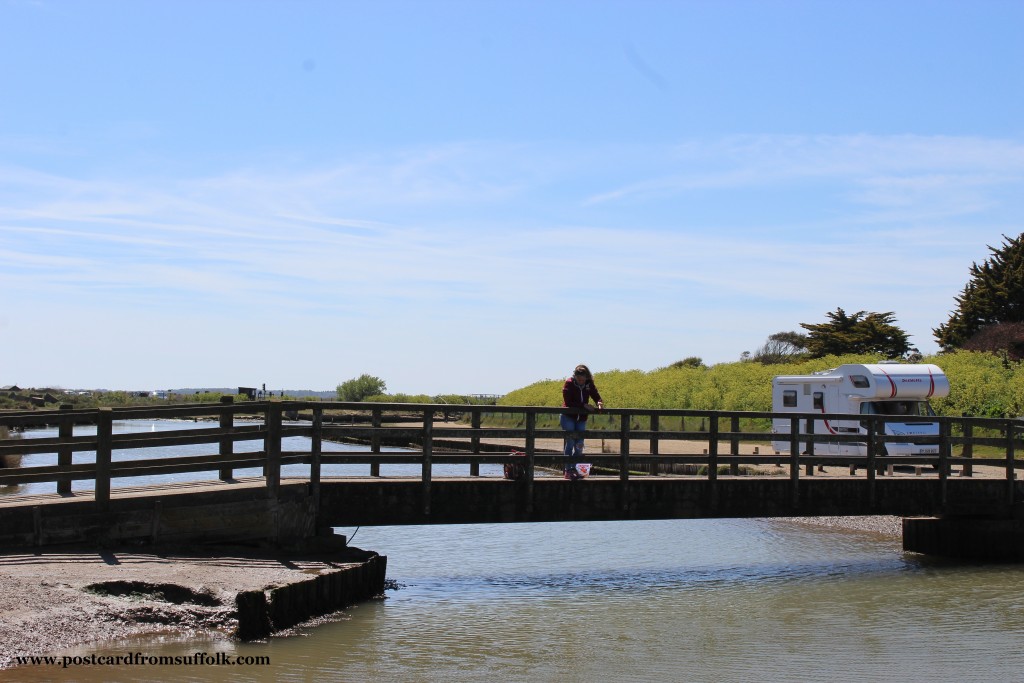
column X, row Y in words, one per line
column 576, row 396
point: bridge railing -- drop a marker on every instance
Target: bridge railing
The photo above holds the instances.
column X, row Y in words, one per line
column 424, row 436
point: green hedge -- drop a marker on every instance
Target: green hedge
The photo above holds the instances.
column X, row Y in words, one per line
column 980, row 384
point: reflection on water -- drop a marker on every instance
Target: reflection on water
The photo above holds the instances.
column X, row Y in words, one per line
column 677, row 600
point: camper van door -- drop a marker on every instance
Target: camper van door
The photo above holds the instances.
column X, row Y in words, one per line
column 830, row 405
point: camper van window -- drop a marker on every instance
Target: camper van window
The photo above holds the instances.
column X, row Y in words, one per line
column 912, row 408
column 789, row 398
column 860, row 381
column 819, row 400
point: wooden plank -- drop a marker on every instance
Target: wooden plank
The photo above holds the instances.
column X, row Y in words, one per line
column 188, row 437
column 47, row 445
column 33, row 475
column 211, row 465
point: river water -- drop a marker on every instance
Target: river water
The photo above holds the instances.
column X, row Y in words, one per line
column 675, row 600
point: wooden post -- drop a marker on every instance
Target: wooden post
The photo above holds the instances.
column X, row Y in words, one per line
column 810, row 446
column 968, row 451
column 531, row 451
column 794, row 462
column 944, row 453
column 315, row 453
column 273, row 448
column 655, row 427
column 375, row 422
column 713, row 461
column 624, row 447
column 104, row 448
column 872, row 448
column 624, row 459
column 227, row 423
column 734, row 444
column 65, row 432
column 880, row 435
column 428, row 451
column 474, row 441
column 1010, row 463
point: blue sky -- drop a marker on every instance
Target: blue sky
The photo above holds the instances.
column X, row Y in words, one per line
column 472, row 196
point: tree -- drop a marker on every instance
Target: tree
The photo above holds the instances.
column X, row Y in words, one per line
column 1006, row 340
column 994, row 294
column 781, row 347
column 859, row 333
column 361, row 388
column 689, row 362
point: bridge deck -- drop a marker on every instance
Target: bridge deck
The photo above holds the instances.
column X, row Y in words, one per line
column 14, row 500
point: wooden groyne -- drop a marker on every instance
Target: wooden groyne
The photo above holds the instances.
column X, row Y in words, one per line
column 262, row 612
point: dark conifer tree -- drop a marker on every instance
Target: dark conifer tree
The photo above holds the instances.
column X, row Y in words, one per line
column 861, row 332
column 994, row 294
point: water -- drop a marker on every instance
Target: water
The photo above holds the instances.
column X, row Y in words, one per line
column 674, row 600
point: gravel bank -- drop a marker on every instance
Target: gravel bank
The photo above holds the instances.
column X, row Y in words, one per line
column 52, row 601
column 878, row 524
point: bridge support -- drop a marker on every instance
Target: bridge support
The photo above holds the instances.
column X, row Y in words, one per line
column 992, row 540
column 231, row 513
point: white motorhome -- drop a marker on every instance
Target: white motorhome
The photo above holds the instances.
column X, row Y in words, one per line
column 890, row 389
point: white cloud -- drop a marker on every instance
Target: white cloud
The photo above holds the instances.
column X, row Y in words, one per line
column 421, row 253
column 879, row 170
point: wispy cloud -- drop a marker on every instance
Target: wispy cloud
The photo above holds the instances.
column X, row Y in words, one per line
column 876, row 171
column 468, row 240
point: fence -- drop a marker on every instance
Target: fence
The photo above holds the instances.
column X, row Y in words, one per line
column 379, row 424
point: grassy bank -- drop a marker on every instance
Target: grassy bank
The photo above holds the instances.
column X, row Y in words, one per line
column 981, row 385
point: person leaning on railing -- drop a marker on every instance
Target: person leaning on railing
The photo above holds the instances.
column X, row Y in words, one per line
column 577, row 392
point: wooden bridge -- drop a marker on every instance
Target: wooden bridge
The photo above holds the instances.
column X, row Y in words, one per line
column 651, row 464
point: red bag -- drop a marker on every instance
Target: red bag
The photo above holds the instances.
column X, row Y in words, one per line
column 516, row 470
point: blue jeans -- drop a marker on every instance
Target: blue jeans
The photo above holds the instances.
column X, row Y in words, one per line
column 573, row 449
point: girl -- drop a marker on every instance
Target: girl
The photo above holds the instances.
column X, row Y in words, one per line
column 576, row 393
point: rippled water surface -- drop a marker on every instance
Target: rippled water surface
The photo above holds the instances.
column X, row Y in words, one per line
column 679, row 600
column 698, row 600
